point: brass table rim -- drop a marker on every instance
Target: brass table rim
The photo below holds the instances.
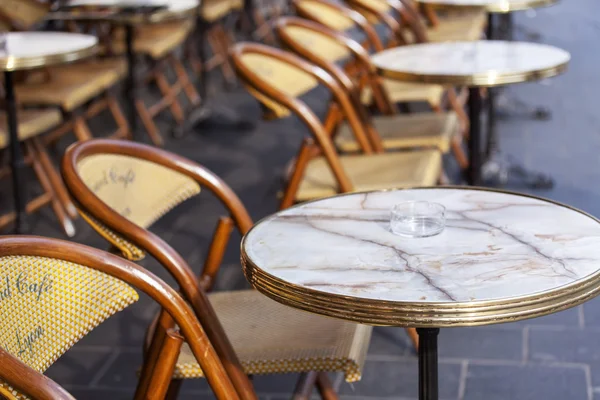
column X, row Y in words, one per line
column 22, row 63
column 422, row 314
column 513, row 5
column 485, row 79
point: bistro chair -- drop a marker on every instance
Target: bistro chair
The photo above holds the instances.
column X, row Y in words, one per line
column 277, row 78
column 408, row 26
column 21, row 15
column 320, row 44
column 76, row 289
column 258, row 335
column 31, row 124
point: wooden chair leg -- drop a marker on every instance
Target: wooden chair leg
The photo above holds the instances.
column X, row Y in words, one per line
column 167, row 91
column 414, row 337
column 174, row 388
column 294, row 182
column 80, row 128
column 184, row 79
column 55, row 180
column 459, row 152
column 163, row 371
column 149, row 124
column 59, row 211
column 223, row 45
column 123, row 131
column 304, row 386
column 325, row 388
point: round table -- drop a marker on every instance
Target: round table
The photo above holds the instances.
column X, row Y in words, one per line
column 502, row 257
column 493, row 6
column 28, row 50
column 474, row 64
column 129, row 13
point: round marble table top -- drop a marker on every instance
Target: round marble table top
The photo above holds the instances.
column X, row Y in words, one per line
column 502, row 257
column 26, row 50
column 478, row 63
column 169, row 9
column 494, row 6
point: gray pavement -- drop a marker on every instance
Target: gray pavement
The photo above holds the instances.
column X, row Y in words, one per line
column 555, row 357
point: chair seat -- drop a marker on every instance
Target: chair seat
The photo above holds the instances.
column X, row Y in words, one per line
column 269, row 337
column 406, row 131
column 214, row 10
column 70, row 86
column 372, row 172
column 406, row 92
column 155, row 40
column 31, row 123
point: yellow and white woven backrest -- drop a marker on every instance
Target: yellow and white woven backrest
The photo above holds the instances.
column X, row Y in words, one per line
column 48, row 305
column 326, row 15
column 282, row 76
column 139, row 190
column 323, row 46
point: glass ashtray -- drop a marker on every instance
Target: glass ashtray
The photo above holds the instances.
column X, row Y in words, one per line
column 418, row 219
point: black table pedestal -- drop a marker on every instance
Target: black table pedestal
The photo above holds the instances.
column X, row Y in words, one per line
column 474, row 171
column 131, row 84
column 17, row 162
column 428, row 363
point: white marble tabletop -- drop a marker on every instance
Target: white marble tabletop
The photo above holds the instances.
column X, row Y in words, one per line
column 25, row 50
column 495, row 6
column 496, row 247
column 478, row 63
column 170, row 9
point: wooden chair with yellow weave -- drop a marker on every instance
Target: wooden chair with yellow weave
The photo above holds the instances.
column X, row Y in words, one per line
column 55, row 292
column 277, row 79
column 394, row 91
column 324, row 46
column 407, row 25
column 115, row 185
column 31, row 124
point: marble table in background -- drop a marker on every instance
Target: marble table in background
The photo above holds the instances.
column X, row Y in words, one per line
column 27, row 50
column 502, row 257
column 474, row 64
column 493, row 6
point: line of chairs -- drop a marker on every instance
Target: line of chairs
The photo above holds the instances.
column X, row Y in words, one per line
column 121, row 188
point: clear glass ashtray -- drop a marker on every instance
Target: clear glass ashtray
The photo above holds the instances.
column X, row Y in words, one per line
column 418, row 219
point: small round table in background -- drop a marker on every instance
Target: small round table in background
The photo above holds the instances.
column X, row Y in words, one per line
column 130, row 13
column 474, row 64
column 28, row 50
column 502, row 257
column 493, row 6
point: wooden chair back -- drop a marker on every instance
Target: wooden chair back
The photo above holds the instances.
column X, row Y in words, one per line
column 54, row 292
column 84, row 167
column 339, row 18
column 317, row 43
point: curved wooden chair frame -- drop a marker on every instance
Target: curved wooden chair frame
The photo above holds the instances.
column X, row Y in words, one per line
column 170, row 301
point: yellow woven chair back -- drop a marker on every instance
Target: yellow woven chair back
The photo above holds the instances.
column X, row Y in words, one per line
column 326, row 15
column 318, row 43
column 379, row 5
column 141, row 191
column 282, row 76
column 48, row 305
column 23, row 13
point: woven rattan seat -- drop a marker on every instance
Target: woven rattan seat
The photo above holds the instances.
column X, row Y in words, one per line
column 31, row 123
column 70, row 86
column 405, row 131
column 406, row 92
column 458, row 26
column 270, row 338
column 372, row 172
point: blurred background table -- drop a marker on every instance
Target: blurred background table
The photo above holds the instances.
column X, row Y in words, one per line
column 474, row 64
column 29, row 50
column 502, row 257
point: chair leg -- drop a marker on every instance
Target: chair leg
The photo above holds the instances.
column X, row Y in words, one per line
column 168, row 92
column 124, row 130
column 414, row 337
column 55, row 179
column 60, row 212
column 163, row 371
column 325, row 388
column 173, row 391
column 459, row 153
column 149, row 124
column 80, row 128
column 186, row 83
column 304, row 386
column 294, row 182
